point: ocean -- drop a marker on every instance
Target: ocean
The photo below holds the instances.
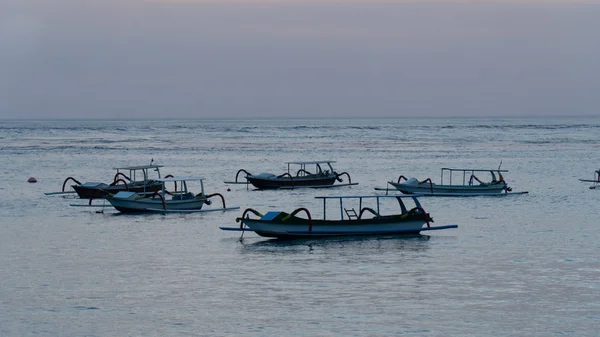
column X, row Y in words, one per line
column 518, row 265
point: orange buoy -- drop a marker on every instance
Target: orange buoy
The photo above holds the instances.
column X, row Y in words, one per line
column 32, row 180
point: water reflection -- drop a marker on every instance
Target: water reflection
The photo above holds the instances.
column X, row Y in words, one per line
column 415, row 242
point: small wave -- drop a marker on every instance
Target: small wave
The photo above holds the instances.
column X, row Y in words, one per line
column 81, row 307
column 559, row 140
column 376, row 128
column 534, row 126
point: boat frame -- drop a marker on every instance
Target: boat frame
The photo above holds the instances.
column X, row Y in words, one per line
column 467, row 186
column 182, row 200
column 301, row 178
column 90, row 190
column 284, row 226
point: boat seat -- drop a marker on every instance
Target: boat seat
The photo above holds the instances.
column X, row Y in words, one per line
column 351, row 213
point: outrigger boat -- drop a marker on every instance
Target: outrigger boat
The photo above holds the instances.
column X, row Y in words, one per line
column 595, row 181
column 179, row 200
column 469, row 184
column 301, row 178
column 138, row 181
column 365, row 221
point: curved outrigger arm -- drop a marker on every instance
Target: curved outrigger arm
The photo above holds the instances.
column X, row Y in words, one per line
column 174, row 182
column 493, row 175
column 120, row 174
column 473, row 177
column 367, row 209
column 420, row 211
column 296, row 211
column 117, row 181
column 287, row 174
column 300, row 171
column 212, row 195
column 70, row 178
column 162, row 198
column 238, row 173
column 96, row 193
column 338, row 175
column 430, row 183
column 428, row 218
column 245, row 215
column 403, row 209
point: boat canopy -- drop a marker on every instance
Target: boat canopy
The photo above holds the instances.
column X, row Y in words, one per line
column 183, row 189
column 360, row 201
column 412, row 195
column 174, row 179
column 141, row 167
column 472, row 170
column 311, row 162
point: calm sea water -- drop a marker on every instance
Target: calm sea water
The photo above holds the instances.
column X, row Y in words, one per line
column 522, row 265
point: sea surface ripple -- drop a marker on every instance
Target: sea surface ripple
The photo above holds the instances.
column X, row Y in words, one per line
column 522, row 265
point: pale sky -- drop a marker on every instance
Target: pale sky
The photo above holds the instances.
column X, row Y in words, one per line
column 298, row 58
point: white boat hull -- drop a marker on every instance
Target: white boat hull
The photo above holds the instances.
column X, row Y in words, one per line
column 287, row 231
column 433, row 189
column 269, row 227
column 282, row 230
column 366, row 221
column 127, row 203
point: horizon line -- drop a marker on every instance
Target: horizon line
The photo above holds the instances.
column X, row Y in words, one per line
column 287, row 118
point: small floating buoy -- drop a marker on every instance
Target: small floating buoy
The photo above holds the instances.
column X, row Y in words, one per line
column 32, row 180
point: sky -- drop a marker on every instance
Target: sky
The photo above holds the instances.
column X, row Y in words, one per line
column 298, row 58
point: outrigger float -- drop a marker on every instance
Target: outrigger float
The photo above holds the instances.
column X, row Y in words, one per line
column 469, row 185
column 301, row 178
column 595, row 182
column 364, row 221
column 138, row 181
column 164, row 201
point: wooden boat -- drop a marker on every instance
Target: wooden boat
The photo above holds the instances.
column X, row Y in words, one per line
column 595, row 182
column 177, row 200
column 468, row 185
column 364, row 221
column 297, row 176
column 138, row 180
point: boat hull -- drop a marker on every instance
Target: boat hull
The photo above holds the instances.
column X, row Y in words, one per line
column 128, row 205
column 427, row 189
column 100, row 190
column 285, row 182
column 324, row 228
